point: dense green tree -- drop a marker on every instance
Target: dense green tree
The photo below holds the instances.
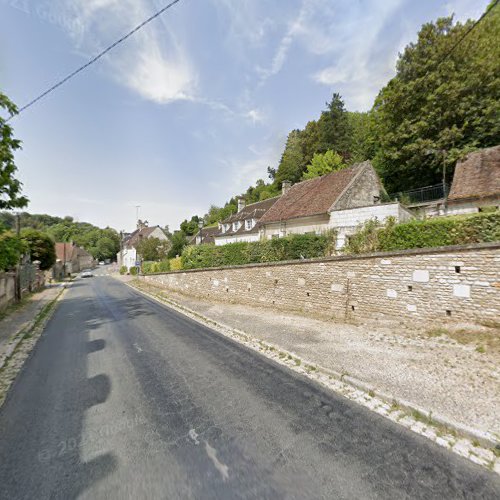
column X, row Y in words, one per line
column 441, row 100
column 292, row 161
column 334, row 131
column 40, row 247
column 10, row 187
column 105, row 249
column 261, row 191
column 309, row 142
column 179, row 241
column 363, row 144
column 324, row 163
column 190, row 227
column 11, row 248
column 153, row 249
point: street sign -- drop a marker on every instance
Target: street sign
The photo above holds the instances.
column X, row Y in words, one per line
column 137, row 263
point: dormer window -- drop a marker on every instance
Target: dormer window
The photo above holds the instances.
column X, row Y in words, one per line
column 248, row 223
column 236, row 225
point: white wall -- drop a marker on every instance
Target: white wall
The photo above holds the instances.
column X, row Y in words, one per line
column 158, row 233
column 129, row 257
column 346, row 222
column 224, row 240
column 470, row 207
column 316, row 224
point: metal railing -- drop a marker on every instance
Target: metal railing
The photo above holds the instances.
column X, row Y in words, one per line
column 422, row 195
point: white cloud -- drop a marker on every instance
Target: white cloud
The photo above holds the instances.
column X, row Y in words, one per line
column 255, row 115
column 465, row 9
column 151, row 62
column 247, row 23
column 294, row 28
column 358, row 70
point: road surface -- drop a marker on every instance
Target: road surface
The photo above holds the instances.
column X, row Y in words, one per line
column 125, row 398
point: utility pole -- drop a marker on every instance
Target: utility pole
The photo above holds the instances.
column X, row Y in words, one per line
column 137, row 207
column 18, row 266
column 445, row 194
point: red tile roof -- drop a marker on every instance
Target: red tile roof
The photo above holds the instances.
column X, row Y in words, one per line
column 207, row 234
column 312, row 197
column 137, row 235
column 477, row 175
column 64, row 251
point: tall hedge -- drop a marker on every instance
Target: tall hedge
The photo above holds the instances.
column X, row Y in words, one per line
column 300, row 246
column 435, row 232
column 151, row 267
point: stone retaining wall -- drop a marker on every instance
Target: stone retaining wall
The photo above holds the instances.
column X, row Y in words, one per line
column 7, row 290
column 453, row 283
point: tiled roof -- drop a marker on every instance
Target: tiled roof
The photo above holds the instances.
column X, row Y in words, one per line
column 137, row 235
column 64, row 251
column 312, row 197
column 477, row 175
column 241, row 230
column 252, row 211
column 207, row 234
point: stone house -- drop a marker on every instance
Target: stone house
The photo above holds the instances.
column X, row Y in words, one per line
column 71, row 259
column 128, row 256
column 341, row 200
column 244, row 224
column 476, row 183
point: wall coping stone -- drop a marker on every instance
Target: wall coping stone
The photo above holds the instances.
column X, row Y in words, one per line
column 343, row 258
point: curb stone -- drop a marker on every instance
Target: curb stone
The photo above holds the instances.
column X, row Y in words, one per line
column 350, row 387
column 29, row 328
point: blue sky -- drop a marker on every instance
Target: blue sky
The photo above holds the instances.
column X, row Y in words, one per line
column 192, row 109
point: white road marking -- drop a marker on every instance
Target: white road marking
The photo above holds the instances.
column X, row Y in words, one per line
column 138, row 348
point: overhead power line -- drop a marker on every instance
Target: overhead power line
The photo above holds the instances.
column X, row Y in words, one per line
column 95, row 59
column 485, row 13
column 460, row 40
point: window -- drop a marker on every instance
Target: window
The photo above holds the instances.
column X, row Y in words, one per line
column 249, row 224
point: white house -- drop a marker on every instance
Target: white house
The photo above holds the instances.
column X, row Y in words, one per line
column 128, row 254
column 243, row 225
column 340, row 200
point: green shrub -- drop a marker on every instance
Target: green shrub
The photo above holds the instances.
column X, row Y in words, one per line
column 428, row 233
column 11, row 248
column 156, row 267
column 175, row 264
column 133, row 271
column 300, row 246
column 123, row 270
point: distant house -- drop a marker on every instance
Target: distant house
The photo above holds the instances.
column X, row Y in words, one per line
column 340, row 200
column 71, row 259
column 476, row 182
column 128, row 256
column 244, row 224
column 207, row 236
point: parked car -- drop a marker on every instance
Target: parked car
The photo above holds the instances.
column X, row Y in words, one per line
column 101, row 263
column 87, row 273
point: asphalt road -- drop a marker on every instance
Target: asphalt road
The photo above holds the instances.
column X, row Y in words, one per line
column 125, row 398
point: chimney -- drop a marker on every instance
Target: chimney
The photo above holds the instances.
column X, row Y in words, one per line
column 285, row 186
column 241, row 204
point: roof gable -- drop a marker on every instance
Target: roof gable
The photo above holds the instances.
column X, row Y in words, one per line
column 139, row 234
column 477, row 175
column 252, row 211
column 64, row 251
column 315, row 196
